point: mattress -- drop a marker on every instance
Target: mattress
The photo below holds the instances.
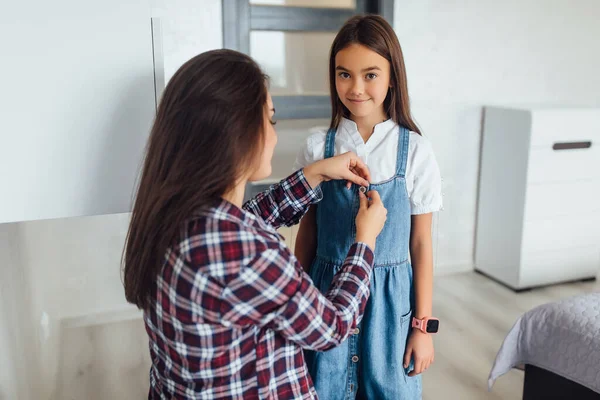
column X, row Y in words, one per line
column 562, row 337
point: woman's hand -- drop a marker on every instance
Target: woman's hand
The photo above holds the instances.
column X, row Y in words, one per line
column 344, row 166
column 370, row 219
column 420, row 349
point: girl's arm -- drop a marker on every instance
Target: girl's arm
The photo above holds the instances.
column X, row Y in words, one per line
column 306, row 240
column 421, row 255
column 426, row 197
column 420, row 345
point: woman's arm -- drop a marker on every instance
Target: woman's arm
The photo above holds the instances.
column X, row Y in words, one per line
column 286, row 202
column 273, row 291
column 306, row 240
column 279, row 295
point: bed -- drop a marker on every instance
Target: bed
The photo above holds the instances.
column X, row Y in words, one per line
column 558, row 345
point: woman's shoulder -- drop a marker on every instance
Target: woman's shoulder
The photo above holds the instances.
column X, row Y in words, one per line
column 214, row 232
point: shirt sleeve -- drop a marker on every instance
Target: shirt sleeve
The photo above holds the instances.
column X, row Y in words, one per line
column 274, row 292
column 313, row 150
column 286, row 202
column 304, row 157
column 426, row 194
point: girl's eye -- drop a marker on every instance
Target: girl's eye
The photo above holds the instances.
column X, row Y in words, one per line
column 344, row 75
column 273, row 122
column 371, row 76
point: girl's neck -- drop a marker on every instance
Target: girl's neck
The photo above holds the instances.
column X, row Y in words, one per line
column 366, row 124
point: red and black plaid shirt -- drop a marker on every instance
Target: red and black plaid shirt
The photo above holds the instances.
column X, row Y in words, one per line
column 233, row 308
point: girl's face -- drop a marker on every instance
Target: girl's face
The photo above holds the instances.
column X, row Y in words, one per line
column 362, row 80
column 264, row 168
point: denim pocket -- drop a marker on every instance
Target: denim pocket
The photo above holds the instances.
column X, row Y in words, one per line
column 405, row 322
column 404, row 318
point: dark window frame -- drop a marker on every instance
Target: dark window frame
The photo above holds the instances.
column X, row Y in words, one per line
column 240, row 17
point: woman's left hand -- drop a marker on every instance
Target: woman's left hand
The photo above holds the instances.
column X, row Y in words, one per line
column 420, row 349
column 346, row 166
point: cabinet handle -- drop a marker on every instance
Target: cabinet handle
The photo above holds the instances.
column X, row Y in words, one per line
column 571, row 145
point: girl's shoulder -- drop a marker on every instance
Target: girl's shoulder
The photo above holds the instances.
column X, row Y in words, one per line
column 419, row 146
column 313, row 149
column 417, row 140
column 316, row 136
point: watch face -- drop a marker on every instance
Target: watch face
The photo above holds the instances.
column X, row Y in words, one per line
column 433, row 325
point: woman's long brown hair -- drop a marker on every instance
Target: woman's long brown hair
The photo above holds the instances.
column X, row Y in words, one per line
column 208, row 129
column 375, row 33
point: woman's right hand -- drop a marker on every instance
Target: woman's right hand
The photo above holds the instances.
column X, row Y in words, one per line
column 370, row 218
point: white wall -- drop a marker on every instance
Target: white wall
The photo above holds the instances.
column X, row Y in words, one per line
column 460, row 55
column 464, row 54
column 77, row 105
column 13, row 291
column 65, row 328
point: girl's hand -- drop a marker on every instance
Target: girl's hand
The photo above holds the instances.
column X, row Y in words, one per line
column 420, row 349
column 344, row 166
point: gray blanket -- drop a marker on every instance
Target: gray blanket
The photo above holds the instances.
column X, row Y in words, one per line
column 562, row 337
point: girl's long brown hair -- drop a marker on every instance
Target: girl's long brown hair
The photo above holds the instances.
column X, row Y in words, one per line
column 375, row 33
column 208, row 129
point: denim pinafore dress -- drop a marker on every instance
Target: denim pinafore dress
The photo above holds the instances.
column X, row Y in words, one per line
column 369, row 365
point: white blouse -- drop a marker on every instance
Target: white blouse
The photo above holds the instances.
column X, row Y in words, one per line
column 423, row 180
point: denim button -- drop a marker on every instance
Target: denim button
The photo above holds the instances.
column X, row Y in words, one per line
column 355, row 359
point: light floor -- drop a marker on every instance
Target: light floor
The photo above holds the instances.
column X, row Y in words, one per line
column 111, row 361
column 475, row 314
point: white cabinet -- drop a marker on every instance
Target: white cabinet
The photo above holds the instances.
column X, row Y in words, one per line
column 538, row 219
column 76, row 108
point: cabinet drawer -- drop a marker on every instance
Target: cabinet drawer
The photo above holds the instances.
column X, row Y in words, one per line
column 564, row 232
column 562, row 198
column 552, row 126
column 548, row 165
column 548, row 267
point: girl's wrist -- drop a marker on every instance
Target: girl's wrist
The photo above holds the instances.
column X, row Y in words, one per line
column 420, row 315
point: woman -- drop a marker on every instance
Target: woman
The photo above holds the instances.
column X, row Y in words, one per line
column 227, row 307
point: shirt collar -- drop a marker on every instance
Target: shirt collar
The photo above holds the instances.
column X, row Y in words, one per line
column 224, row 210
column 379, row 132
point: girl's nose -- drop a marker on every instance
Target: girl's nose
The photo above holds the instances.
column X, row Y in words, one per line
column 357, row 88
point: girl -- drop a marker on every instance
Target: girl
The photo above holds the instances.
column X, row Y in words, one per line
column 371, row 116
column 226, row 306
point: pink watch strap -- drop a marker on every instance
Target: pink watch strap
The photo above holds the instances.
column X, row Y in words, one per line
column 417, row 323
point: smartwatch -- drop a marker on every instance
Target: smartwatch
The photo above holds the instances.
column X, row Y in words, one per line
column 427, row 324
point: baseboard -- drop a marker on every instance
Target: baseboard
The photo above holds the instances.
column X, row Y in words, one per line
column 453, row 268
column 118, row 314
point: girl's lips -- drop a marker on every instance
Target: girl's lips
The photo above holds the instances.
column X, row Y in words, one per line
column 357, row 100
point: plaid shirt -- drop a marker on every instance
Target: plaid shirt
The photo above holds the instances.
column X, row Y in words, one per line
column 233, row 308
